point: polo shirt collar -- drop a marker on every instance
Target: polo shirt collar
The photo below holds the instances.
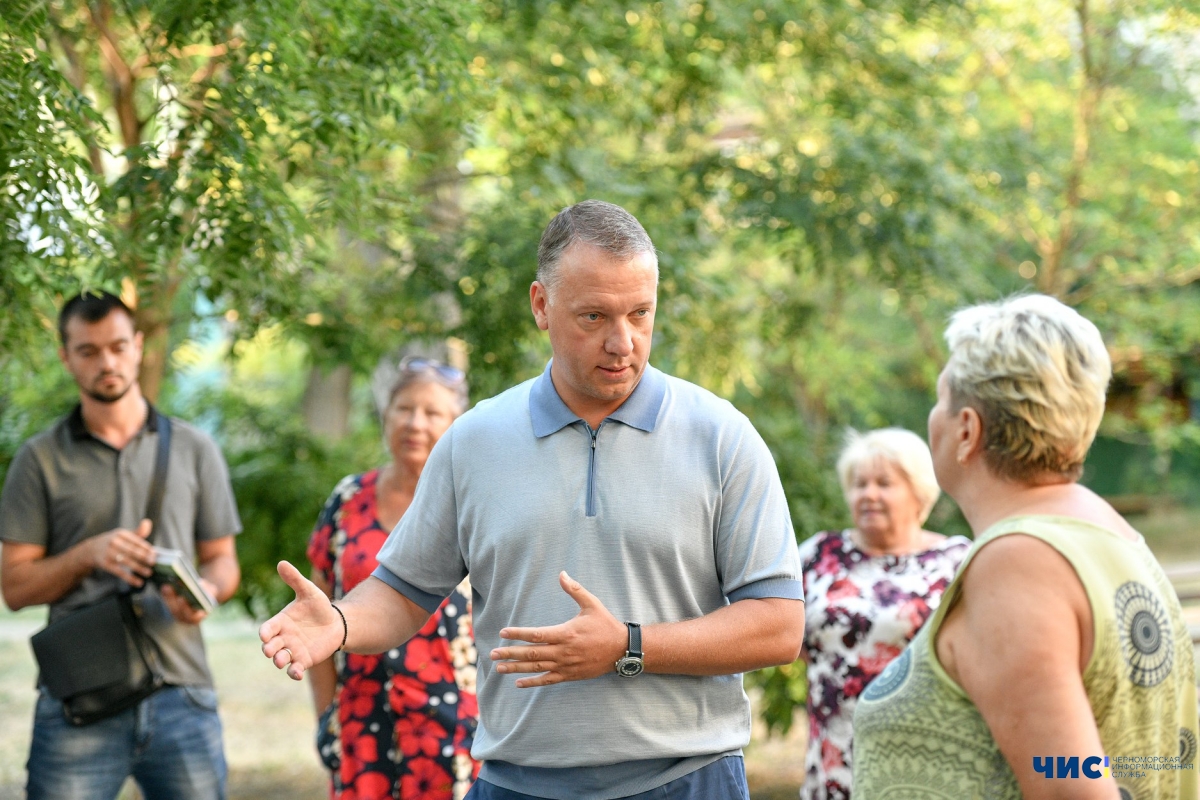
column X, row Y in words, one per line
column 640, row 410
column 79, row 430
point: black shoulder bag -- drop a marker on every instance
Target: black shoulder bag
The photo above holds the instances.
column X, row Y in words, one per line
column 98, row 661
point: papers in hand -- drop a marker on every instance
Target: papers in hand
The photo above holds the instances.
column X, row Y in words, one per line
column 175, row 568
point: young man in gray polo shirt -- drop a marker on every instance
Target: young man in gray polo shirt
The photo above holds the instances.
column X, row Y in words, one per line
column 603, row 473
column 71, row 523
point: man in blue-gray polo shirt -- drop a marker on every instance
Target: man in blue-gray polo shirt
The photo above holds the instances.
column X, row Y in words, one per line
column 658, row 497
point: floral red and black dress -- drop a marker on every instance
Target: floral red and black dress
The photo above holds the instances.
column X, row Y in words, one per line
column 401, row 723
column 860, row 611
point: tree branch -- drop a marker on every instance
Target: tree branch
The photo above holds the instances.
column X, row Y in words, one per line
column 1089, row 269
column 1001, row 71
column 78, row 78
column 1085, row 45
column 1049, row 278
column 925, row 335
column 145, row 64
column 1037, row 241
column 121, row 78
column 206, row 73
column 1178, row 279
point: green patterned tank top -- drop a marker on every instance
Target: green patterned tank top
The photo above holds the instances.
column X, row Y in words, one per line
column 917, row 736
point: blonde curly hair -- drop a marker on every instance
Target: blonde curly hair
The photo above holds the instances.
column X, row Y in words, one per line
column 1036, row 371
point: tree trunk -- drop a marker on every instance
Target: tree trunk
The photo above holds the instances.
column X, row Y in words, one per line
column 326, row 404
column 153, row 317
column 155, row 347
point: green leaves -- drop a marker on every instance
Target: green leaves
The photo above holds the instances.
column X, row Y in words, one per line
column 221, row 134
column 45, row 244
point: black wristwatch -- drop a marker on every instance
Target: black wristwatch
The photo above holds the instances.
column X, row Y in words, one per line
column 631, row 665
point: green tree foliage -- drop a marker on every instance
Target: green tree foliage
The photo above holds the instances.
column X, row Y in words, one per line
column 281, row 473
column 39, row 110
column 1090, row 111
column 179, row 146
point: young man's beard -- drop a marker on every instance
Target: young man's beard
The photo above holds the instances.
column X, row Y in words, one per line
column 109, row 398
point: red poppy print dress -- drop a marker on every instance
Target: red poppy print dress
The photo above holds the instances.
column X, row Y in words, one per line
column 860, row 611
column 401, row 723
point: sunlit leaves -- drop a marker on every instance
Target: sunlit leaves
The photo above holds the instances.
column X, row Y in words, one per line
column 221, row 132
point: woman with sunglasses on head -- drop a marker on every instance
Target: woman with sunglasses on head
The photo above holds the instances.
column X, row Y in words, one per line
column 399, row 724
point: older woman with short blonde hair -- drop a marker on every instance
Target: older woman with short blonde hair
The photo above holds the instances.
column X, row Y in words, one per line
column 868, row 589
column 1037, row 372
column 1060, row 650
column 902, row 449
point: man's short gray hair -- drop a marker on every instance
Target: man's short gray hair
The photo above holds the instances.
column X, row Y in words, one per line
column 1036, row 371
column 594, row 222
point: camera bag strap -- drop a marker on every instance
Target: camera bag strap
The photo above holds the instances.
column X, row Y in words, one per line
column 158, row 484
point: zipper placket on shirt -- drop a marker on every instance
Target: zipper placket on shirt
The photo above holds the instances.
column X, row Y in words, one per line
column 591, row 487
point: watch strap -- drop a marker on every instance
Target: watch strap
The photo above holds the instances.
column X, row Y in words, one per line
column 635, row 640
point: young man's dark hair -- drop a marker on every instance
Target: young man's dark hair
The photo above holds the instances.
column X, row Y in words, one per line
column 93, row 306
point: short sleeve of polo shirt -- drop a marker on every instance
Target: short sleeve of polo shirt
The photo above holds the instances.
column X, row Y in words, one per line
column 422, row 558
column 756, row 545
column 24, row 516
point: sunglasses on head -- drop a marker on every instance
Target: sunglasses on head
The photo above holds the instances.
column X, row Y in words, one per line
column 452, row 376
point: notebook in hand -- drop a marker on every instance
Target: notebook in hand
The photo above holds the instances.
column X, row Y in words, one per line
column 175, row 568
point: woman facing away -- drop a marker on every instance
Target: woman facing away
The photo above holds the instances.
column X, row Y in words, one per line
column 867, row 590
column 399, row 724
column 1058, row 664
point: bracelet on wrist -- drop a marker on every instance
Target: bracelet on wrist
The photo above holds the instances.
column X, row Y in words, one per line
column 345, row 627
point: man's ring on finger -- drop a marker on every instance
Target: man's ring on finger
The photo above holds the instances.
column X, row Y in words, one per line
column 118, row 558
column 289, row 652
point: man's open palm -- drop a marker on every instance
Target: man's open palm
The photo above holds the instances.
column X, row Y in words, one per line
column 306, row 632
column 586, row 646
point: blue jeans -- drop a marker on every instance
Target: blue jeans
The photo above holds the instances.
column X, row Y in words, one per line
column 170, row 743
column 724, row 779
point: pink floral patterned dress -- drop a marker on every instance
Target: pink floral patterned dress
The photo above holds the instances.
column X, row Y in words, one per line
column 860, row 612
column 402, row 722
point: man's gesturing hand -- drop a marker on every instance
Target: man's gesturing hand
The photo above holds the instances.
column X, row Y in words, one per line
column 584, row 647
column 306, row 632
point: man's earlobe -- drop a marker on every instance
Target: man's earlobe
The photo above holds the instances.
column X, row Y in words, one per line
column 538, row 301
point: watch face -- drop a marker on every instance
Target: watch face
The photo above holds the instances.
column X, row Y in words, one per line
column 628, row 667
